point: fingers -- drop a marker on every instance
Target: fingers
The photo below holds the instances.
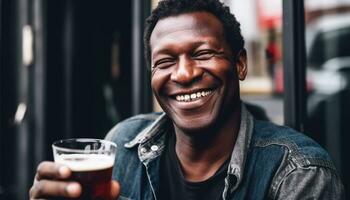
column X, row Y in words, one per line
column 51, row 170
column 115, row 189
column 49, row 182
column 48, row 188
column 52, row 181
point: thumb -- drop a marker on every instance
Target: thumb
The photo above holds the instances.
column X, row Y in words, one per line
column 115, row 189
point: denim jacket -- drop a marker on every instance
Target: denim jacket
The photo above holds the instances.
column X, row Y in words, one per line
column 268, row 161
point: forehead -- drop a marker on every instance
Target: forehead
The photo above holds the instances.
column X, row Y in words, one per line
column 187, row 25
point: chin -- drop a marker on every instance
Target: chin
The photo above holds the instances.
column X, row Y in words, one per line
column 194, row 125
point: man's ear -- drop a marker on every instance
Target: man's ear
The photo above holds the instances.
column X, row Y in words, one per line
column 241, row 64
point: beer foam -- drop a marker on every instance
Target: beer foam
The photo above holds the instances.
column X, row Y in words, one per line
column 85, row 162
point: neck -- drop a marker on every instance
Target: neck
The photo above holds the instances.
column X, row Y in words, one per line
column 201, row 154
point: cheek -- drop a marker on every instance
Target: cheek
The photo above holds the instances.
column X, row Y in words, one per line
column 158, row 81
column 223, row 72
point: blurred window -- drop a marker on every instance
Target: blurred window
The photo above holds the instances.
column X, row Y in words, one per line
column 327, row 30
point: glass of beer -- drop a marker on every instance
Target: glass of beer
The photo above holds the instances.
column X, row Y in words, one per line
column 91, row 162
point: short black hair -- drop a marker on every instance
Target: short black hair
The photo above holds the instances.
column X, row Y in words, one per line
column 167, row 8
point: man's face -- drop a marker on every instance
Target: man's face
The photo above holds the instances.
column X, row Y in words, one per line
column 194, row 75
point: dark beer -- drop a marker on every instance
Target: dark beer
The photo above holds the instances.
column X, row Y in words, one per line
column 93, row 172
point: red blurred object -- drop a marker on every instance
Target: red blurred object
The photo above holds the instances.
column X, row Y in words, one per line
column 269, row 13
column 279, row 82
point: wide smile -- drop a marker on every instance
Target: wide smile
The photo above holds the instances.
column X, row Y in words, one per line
column 193, row 96
column 193, row 100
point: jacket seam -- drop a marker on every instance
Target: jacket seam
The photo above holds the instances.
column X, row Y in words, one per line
column 293, row 166
column 290, row 145
column 294, row 161
column 277, row 182
column 294, row 153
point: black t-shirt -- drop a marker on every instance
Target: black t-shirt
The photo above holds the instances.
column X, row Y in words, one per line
column 173, row 185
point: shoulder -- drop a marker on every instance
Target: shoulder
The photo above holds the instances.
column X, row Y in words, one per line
column 305, row 168
column 298, row 145
column 128, row 129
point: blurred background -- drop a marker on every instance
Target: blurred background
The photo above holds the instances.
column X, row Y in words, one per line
column 75, row 68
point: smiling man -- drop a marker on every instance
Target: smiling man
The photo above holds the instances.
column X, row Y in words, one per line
column 206, row 144
column 195, row 72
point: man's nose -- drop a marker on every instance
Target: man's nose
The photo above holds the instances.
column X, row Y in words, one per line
column 186, row 71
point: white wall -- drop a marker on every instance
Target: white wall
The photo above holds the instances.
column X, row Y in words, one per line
column 246, row 13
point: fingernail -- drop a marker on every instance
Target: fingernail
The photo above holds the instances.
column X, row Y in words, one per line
column 73, row 189
column 64, row 171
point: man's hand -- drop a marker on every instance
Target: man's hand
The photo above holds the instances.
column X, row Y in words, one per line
column 52, row 180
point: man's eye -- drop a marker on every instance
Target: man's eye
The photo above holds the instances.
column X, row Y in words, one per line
column 204, row 55
column 163, row 63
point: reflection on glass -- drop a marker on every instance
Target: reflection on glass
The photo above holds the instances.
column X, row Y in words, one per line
column 328, row 76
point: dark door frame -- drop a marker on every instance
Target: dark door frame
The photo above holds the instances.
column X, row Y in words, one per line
column 294, row 61
column 141, row 90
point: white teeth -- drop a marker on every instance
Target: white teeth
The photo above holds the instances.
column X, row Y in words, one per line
column 193, row 96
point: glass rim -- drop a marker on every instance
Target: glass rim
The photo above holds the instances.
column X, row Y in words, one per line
column 72, row 150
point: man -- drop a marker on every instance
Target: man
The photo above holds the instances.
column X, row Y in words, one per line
column 206, row 145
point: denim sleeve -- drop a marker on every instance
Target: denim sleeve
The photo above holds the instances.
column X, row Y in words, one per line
column 312, row 182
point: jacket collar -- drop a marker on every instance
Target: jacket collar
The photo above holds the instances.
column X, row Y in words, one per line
column 154, row 129
column 239, row 153
column 241, row 149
